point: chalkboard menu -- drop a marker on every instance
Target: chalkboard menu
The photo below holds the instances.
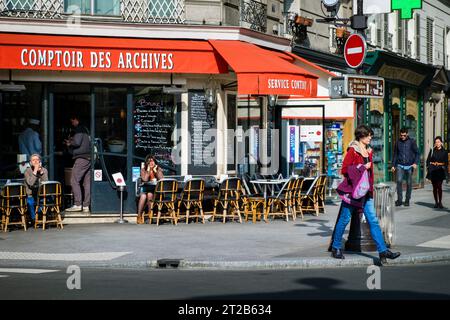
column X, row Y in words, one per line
column 153, row 127
column 202, row 152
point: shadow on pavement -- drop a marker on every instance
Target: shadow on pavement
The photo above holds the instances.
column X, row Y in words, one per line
column 327, row 288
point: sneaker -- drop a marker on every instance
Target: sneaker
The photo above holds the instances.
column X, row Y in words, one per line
column 86, row 209
column 74, row 208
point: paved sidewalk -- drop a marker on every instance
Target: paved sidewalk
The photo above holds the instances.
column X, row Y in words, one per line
column 422, row 235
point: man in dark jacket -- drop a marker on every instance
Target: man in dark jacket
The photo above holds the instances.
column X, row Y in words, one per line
column 80, row 147
column 406, row 158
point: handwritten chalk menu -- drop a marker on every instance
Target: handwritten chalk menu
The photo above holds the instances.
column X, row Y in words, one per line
column 153, row 127
column 202, row 125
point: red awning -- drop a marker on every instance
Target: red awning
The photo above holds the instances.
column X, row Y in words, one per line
column 261, row 71
column 80, row 53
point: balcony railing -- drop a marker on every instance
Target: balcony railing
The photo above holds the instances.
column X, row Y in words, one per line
column 254, row 15
column 137, row 11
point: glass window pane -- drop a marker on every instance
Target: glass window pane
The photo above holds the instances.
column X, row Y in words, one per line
column 77, row 6
column 111, row 126
column 155, row 126
column 19, row 4
column 107, row 7
column 161, row 8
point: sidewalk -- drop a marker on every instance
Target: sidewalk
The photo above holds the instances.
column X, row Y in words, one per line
column 422, row 235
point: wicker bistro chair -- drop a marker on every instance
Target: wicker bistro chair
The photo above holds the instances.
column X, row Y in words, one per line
column 48, row 204
column 283, row 201
column 321, row 192
column 165, row 197
column 228, row 198
column 14, row 199
column 311, row 197
column 192, row 198
column 297, row 195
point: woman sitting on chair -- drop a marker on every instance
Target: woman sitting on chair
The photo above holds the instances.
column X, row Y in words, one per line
column 150, row 171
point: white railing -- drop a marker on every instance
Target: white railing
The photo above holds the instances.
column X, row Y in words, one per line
column 137, row 11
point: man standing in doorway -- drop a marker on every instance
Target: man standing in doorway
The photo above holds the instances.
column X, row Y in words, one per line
column 80, row 147
column 406, row 158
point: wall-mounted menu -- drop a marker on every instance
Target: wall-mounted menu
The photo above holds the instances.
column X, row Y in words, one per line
column 153, row 127
column 202, row 125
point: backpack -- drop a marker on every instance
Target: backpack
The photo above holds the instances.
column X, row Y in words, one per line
column 362, row 187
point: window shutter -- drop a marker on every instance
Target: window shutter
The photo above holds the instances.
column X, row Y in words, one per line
column 430, row 41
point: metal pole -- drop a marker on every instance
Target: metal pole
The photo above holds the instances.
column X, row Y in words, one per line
column 121, row 220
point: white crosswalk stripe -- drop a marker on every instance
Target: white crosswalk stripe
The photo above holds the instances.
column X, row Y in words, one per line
column 25, row 270
column 443, row 242
column 94, row 256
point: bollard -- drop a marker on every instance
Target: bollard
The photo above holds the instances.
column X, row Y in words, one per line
column 121, row 220
column 384, row 207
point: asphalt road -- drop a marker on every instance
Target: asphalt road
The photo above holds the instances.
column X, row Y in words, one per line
column 421, row 282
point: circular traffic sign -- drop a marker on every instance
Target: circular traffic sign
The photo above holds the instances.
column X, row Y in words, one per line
column 355, row 50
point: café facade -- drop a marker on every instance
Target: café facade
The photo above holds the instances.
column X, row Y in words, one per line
column 162, row 91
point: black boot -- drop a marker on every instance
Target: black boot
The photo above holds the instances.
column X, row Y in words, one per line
column 388, row 254
column 398, row 203
column 406, row 203
column 436, row 205
column 337, row 253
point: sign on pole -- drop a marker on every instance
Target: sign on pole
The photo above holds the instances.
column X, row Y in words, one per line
column 356, row 86
column 355, row 50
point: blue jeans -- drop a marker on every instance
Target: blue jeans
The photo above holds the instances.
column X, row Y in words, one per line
column 371, row 217
column 402, row 173
column 31, row 206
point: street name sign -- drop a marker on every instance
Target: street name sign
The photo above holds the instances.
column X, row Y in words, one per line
column 355, row 50
column 356, row 86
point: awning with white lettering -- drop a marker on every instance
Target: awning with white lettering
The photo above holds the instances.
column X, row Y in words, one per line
column 80, row 53
column 261, row 71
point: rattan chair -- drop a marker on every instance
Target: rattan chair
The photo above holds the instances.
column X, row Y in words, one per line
column 310, row 198
column 192, row 198
column 297, row 196
column 282, row 201
column 165, row 197
column 228, row 199
column 48, row 204
column 14, row 200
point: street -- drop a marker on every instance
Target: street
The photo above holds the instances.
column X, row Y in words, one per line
column 427, row 281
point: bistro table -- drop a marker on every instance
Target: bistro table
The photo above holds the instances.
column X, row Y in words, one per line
column 266, row 182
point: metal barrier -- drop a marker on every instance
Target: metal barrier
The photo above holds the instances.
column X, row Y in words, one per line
column 384, row 207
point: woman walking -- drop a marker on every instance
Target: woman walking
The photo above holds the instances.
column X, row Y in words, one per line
column 437, row 164
column 357, row 162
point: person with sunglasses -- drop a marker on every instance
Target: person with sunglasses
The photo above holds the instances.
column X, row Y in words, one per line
column 406, row 158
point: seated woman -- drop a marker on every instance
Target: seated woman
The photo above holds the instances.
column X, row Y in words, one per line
column 150, row 171
column 34, row 175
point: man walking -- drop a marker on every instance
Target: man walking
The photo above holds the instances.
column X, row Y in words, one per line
column 406, row 158
column 80, row 147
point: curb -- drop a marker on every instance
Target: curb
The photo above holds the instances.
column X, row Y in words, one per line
column 309, row 263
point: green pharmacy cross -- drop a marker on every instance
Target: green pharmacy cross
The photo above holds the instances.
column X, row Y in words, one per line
column 406, row 7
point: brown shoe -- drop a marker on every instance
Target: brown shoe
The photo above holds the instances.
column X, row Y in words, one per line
column 140, row 219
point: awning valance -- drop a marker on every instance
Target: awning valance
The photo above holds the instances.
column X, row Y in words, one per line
column 261, row 71
column 77, row 53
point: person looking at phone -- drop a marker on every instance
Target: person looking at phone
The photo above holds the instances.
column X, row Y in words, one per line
column 34, row 175
column 150, row 171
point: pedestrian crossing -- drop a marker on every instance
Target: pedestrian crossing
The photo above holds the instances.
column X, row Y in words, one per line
column 443, row 243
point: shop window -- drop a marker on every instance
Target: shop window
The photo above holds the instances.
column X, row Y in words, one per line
column 111, row 126
column 156, row 118
column 231, row 126
column 376, row 122
column 16, row 108
column 249, row 121
column 93, row 7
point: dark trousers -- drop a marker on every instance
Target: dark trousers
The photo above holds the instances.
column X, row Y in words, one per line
column 407, row 175
column 81, row 173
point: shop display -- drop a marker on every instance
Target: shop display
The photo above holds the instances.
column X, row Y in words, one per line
column 310, row 158
column 334, row 149
column 376, row 123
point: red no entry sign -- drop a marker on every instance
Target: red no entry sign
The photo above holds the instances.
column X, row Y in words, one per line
column 355, row 50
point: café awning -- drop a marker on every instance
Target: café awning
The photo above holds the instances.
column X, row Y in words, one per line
column 101, row 54
column 261, row 71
